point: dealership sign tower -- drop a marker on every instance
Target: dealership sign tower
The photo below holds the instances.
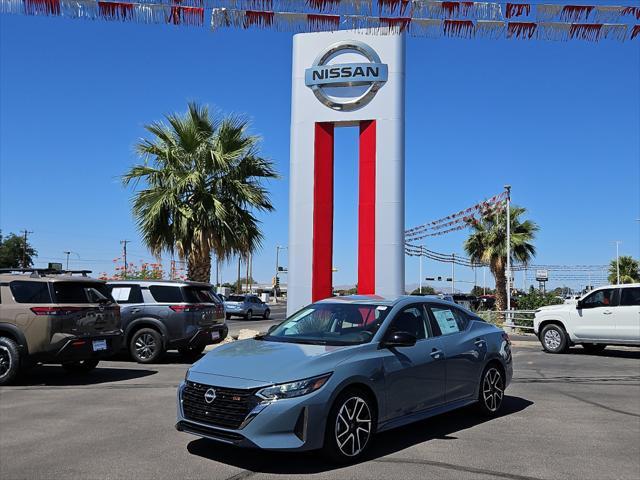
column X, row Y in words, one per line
column 346, row 79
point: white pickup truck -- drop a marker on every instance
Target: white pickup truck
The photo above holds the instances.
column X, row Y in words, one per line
column 605, row 316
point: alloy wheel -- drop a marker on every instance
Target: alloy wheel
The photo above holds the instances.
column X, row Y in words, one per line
column 552, row 339
column 353, row 426
column 493, row 389
column 145, row 346
column 5, row 361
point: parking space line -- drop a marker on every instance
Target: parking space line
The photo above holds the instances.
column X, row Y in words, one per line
column 596, row 404
column 460, row 468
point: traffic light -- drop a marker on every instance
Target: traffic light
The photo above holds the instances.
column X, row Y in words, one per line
column 277, row 282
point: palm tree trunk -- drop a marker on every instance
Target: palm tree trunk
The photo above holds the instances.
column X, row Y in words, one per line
column 199, row 267
column 498, row 272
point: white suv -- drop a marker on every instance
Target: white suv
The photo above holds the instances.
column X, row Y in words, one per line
column 605, row 316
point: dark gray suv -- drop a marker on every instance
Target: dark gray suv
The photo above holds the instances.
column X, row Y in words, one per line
column 161, row 315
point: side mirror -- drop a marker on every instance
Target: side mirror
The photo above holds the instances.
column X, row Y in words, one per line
column 579, row 305
column 399, row 339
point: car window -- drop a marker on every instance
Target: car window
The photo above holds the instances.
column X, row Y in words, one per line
column 200, row 295
column 127, row 293
column 30, row 292
column 600, row 298
column 630, row 296
column 166, row 294
column 410, row 320
column 235, row 298
column 446, row 319
column 462, row 319
column 81, row 292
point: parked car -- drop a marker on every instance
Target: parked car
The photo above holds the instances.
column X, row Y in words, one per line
column 342, row 369
column 49, row 316
column 608, row 315
column 246, row 306
column 161, row 315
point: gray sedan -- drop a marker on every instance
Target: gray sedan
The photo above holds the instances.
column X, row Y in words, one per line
column 342, row 369
column 246, row 306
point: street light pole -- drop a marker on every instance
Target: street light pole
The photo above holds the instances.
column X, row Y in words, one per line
column 67, row 254
column 453, row 273
column 618, row 242
column 508, row 270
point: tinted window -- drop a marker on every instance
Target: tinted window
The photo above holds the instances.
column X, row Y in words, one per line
column 630, row 296
column 165, row 294
column 410, row 320
column 446, row 320
column 127, row 293
column 236, row 298
column 30, row 292
column 200, row 295
column 462, row 319
column 601, row 298
column 80, row 292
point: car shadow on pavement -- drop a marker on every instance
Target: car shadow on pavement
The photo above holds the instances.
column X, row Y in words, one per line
column 55, row 375
column 440, row 427
column 609, row 352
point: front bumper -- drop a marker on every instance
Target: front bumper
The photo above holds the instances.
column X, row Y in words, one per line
column 286, row 424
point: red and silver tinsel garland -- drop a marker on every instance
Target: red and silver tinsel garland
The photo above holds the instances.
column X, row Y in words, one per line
column 417, row 18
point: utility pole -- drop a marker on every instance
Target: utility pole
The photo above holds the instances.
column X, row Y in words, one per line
column 453, row 273
column 421, row 247
column 124, row 256
column 25, row 234
column 238, row 284
column 484, row 280
column 618, row 242
column 508, row 270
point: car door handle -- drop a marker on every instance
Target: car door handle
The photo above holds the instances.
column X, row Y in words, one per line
column 607, row 312
column 436, row 354
column 135, row 310
column 479, row 342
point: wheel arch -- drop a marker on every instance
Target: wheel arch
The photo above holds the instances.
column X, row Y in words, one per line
column 14, row 333
column 551, row 321
column 147, row 322
column 363, row 386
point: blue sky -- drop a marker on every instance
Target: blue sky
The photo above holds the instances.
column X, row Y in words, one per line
column 558, row 121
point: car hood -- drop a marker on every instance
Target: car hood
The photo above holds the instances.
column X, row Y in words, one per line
column 271, row 362
column 561, row 306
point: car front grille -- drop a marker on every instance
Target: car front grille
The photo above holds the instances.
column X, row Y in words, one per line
column 228, row 410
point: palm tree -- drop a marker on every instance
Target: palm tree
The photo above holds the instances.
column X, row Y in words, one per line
column 629, row 270
column 488, row 244
column 203, row 182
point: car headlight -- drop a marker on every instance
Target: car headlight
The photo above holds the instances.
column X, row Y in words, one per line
column 294, row 389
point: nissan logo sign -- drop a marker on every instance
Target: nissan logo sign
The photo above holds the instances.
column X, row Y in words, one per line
column 346, row 86
column 210, row 395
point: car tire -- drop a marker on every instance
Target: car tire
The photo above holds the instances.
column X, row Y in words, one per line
column 192, row 351
column 146, row 346
column 266, row 314
column 594, row 348
column 491, row 390
column 352, row 413
column 9, row 360
column 80, row 366
column 248, row 315
column 554, row 339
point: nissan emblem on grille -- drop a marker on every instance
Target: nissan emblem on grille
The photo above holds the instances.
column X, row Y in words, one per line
column 210, row 395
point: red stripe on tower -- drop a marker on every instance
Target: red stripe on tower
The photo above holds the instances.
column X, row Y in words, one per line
column 321, row 281
column 367, row 209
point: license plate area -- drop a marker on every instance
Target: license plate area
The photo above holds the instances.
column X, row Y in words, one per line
column 215, row 335
column 99, row 345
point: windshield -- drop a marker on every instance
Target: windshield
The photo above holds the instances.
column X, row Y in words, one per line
column 331, row 324
column 235, row 298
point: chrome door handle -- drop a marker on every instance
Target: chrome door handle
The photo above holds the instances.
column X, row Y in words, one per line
column 607, row 312
column 436, row 354
column 480, row 342
column 135, row 310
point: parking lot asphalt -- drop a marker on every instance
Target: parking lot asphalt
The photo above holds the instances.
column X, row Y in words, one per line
column 564, row 417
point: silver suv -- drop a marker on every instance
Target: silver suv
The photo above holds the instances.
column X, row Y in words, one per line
column 161, row 315
column 246, row 306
